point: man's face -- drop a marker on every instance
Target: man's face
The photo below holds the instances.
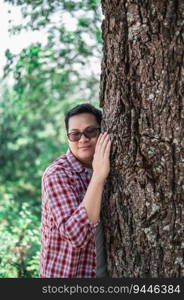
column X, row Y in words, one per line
column 83, row 149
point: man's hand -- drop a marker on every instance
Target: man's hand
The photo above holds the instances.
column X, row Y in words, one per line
column 101, row 163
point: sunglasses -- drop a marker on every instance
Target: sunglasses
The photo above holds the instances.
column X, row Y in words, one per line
column 88, row 133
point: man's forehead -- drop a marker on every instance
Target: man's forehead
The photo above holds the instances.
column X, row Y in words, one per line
column 82, row 121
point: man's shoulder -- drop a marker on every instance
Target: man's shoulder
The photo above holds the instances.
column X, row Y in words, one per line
column 59, row 166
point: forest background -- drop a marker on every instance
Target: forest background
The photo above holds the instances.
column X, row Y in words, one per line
column 38, row 85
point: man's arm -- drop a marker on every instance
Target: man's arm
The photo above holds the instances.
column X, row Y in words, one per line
column 60, row 201
column 101, row 168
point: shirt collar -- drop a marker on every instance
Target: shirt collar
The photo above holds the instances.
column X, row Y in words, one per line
column 75, row 163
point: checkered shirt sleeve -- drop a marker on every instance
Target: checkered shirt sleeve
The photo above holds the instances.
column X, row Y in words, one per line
column 70, row 215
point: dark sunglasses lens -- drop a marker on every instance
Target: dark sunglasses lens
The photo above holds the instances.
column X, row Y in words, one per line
column 90, row 133
column 74, row 137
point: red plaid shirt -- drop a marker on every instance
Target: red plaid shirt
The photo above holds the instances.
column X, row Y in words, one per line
column 67, row 235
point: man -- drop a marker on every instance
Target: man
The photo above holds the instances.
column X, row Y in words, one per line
column 72, row 186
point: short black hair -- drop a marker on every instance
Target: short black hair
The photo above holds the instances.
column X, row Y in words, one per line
column 83, row 108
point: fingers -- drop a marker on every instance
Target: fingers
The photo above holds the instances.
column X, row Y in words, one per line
column 107, row 150
column 103, row 143
column 100, row 139
column 101, row 161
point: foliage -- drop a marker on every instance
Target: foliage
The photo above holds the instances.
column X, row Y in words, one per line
column 47, row 81
column 28, row 144
column 19, row 240
column 72, row 48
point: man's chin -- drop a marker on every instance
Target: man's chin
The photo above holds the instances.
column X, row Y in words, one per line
column 85, row 159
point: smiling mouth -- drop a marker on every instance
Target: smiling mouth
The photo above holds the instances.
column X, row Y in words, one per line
column 84, row 147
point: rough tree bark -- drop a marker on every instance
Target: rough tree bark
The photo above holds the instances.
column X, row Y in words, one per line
column 141, row 96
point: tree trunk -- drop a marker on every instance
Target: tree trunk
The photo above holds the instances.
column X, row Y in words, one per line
column 141, row 96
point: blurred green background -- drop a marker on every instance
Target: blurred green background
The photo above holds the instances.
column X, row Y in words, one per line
column 38, row 86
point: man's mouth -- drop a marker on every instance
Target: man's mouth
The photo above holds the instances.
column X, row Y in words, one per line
column 85, row 147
